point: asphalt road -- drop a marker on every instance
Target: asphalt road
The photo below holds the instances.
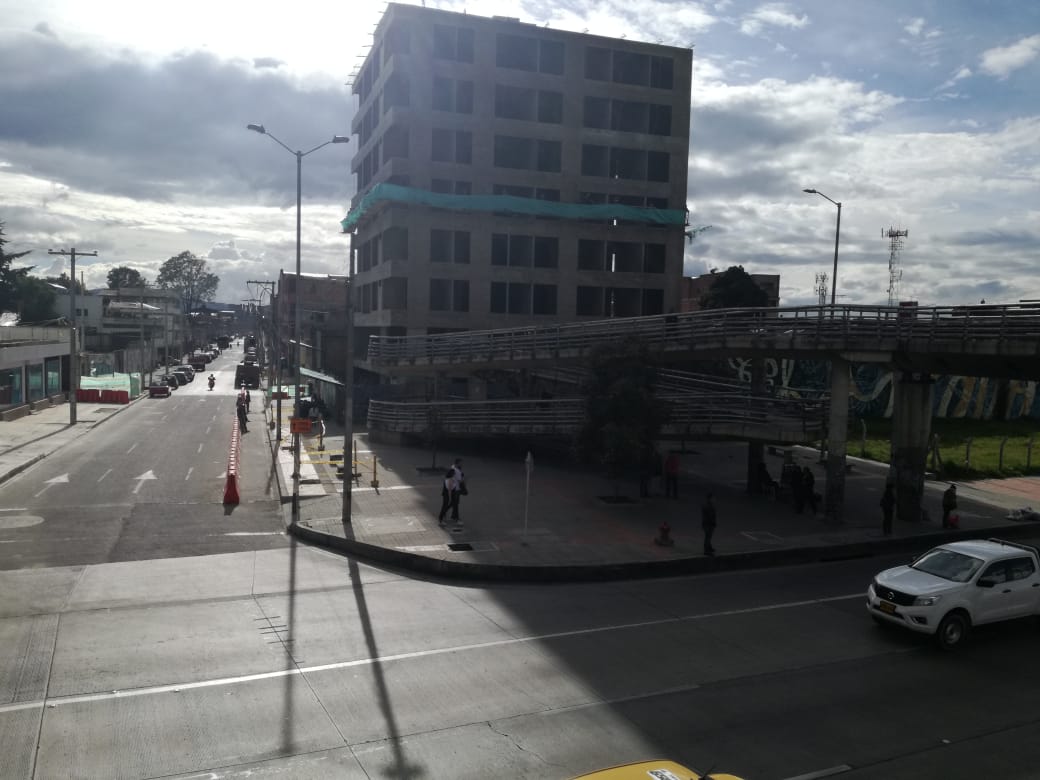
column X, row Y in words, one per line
column 149, row 484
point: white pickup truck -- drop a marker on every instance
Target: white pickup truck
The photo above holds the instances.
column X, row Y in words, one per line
column 956, row 586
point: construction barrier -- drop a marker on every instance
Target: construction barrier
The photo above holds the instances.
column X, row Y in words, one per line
column 88, row 395
column 231, row 485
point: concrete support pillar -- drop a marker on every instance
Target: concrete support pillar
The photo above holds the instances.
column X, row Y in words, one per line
column 837, row 433
column 756, row 449
column 911, row 431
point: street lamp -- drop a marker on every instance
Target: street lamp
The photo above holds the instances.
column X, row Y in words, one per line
column 336, row 139
column 837, row 235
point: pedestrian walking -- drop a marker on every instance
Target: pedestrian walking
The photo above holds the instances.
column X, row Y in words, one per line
column 809, row 488
column 447, row 490
column 888, row 507
column 240, row 409
column 797, row 489
column 708, row 523
column 949, row 503
column 671, row 475
column 460, row 490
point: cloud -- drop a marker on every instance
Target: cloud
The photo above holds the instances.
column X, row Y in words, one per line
column 914, row 26
column 267, row 62
column 962, row 73
column 1002, row 60
column 771, row 15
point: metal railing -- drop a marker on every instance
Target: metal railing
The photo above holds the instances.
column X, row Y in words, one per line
column 687, row 414
column 943, row 328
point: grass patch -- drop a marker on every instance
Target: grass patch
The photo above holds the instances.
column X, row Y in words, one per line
column 985, row 435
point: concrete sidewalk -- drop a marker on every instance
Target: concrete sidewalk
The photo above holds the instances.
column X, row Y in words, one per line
column 563, row 529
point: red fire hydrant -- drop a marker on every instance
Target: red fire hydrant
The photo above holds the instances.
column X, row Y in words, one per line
column 664, row 535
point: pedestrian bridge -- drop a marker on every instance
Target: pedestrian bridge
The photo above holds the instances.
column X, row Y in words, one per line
column 970, row 340
column 720, row 409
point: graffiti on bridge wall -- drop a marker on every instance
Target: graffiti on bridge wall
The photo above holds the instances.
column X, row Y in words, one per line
column 870, row 389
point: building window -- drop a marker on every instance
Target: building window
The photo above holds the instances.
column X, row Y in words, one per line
column 590, row 255
column 596, row 113
column 653, row 302
column 516, row 51
column 515, row 298
column 395, row 244
column 629, row 116
column 512, row 152
column 447, row 246
column 449, row 295
column 589, row 302
column 628, row 163
column 550, row 156
column 395, row 143
column 546, row 252
column 396, row 92
column 513, row 250
column 594, row 160
column 550, row 107
column 660, row 120
column 662, row 73
column 397, row 40
column 453, row 43
column 630, row 68
column 452, row 95
column 451, row 146
column 543, row 299
column 625, row 301
column 550, row 57
column 514, row 102
column 498, row 297
column 597, row 63
column 653, row 258
column 657, row 166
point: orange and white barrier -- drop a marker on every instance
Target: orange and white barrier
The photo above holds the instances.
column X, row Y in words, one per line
column 231, row 486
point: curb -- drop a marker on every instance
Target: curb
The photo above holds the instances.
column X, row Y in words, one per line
column 759, row 559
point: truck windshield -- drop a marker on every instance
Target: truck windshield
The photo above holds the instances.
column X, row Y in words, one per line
column 948, row 564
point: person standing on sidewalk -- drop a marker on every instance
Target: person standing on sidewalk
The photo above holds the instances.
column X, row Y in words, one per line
column 671, row 475
column 949, row 503
column 708, row 523
column 888, row 507
column 240, row 408
column 809, row 488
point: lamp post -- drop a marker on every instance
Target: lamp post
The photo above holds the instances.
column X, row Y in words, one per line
column 336, row 139
column 837, row 235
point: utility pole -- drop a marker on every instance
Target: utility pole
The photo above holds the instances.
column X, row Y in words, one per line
column 73, row 353
column 268, row 287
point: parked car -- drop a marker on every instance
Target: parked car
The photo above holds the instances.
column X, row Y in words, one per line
column 956, row 586
column 182, row 378
column 171, row 381
column 188, row 370
column 159, row 389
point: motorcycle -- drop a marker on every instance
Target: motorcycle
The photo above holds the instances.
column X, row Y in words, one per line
column 212, row 381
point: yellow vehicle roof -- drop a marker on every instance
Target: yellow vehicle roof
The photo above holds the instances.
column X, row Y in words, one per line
column 658, row 769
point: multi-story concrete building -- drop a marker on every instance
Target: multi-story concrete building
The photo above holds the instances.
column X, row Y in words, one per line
column 511, row 174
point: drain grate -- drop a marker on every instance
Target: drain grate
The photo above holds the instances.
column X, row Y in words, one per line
column 460, row 546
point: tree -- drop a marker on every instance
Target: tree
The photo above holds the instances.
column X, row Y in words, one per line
column 622, row 416
column 187, row 274
column 732, row 289
column 35, row 300
column 9, row 277
column 124, row 276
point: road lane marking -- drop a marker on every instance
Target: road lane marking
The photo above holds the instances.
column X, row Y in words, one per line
column 188, row 475
column 200, row 448
column 56, row 701
column 104, row 475
column 132, row 447
column 54, row 481
column 16, row 509
column 141, row 479
column 834, row 770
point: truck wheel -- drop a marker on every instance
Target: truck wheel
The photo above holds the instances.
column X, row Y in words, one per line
column 952, row 630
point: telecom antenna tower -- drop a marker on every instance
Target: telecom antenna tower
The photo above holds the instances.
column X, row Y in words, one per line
column 821, row 287
column 895, row 273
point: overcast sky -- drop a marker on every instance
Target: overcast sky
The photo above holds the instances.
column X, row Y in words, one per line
column 123, row 131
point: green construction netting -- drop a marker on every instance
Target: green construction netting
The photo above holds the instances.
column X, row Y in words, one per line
column 509, row 204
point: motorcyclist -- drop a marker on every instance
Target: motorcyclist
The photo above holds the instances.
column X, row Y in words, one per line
column 212, row 381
